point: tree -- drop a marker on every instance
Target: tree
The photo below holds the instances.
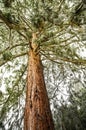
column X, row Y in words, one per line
column 71, row 113
column 37, row 110
column 78, row 99
column 50, row 33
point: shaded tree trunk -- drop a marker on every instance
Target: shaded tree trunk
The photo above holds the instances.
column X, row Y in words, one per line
column 37, row 109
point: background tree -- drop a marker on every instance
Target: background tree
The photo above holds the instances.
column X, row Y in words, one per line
column 60, row 38
column 72, row 115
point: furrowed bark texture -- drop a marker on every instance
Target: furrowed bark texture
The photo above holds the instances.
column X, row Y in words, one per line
column 37, row 109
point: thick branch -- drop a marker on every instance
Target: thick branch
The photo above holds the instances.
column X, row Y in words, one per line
column 13, row 47
column 65, row 59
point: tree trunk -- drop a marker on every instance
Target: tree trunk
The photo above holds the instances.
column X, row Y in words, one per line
column 37, row 109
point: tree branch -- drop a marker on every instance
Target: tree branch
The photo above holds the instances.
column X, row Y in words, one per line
column 13, row 57
column 15, row 26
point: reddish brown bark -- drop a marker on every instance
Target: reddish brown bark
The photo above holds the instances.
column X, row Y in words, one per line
column 37, row 109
